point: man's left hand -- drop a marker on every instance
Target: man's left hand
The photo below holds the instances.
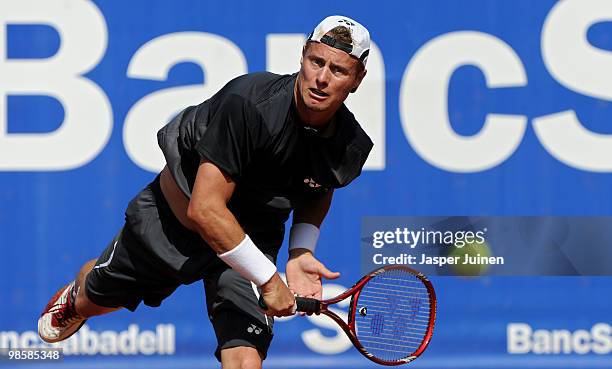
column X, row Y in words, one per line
column 304, row 273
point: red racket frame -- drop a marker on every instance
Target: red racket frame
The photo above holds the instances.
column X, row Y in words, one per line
column 349, row 327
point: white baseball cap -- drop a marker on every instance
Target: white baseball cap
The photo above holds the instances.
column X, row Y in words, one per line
column 360, row 48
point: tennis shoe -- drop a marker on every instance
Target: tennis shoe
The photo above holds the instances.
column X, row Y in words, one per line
column 60, row 320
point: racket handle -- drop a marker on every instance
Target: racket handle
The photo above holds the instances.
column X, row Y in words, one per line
column 303, row 304
column 308, row 305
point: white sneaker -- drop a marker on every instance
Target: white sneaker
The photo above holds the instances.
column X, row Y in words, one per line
column 60, row 320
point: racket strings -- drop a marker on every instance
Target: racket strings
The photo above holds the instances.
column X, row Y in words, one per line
column 397, row 315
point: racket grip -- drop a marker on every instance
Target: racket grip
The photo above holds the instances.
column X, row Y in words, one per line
column 308, row 305
column 303, row 304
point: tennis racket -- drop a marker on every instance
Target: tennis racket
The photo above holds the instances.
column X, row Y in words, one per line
column 391, row 314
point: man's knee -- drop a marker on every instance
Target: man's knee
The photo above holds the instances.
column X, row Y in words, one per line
column 240, row 358
column 83, row 305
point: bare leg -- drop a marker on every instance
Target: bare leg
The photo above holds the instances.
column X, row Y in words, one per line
column 64, row 315
column 84, row 306
column 240, row 358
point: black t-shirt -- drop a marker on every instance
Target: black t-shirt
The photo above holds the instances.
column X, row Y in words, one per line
column 251, row 130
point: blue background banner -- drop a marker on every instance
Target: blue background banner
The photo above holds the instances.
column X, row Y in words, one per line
column 476, row 107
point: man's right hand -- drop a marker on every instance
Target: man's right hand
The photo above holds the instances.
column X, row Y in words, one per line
column 277, row 296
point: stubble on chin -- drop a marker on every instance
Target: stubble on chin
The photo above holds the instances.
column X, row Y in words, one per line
column 316, row 108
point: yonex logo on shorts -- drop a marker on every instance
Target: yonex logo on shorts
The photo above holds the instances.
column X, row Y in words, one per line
column 254, row 329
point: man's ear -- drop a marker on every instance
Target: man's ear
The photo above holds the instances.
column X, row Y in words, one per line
column 359, row 79
column 303, row 53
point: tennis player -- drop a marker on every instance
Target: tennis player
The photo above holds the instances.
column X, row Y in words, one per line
column 236, row 166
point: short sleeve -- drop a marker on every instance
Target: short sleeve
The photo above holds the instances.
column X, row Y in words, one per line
column 234, row 135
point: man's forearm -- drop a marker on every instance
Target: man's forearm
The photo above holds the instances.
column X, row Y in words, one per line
column 315, row 211
column 307, row 220
column 218, row 227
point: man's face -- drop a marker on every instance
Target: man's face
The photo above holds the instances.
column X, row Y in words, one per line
column 326, row 77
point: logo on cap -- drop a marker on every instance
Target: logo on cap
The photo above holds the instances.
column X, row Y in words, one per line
column 360, row 46
column 346, row 21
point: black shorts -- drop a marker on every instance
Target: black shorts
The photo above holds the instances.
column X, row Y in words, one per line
column 131, row 270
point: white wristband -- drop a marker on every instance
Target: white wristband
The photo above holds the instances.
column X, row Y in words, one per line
column 303, row 236
column 249, row 262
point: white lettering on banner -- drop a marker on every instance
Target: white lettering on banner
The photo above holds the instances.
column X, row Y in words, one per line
column 27, row 339
column 368, row 105
column 317, row 341
column 284, row 52
column 87, row 121
column 424, row 102
column 522, row 339
column 580, row 67
column 132, row 341
column 220, row 59
column 283, row 55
